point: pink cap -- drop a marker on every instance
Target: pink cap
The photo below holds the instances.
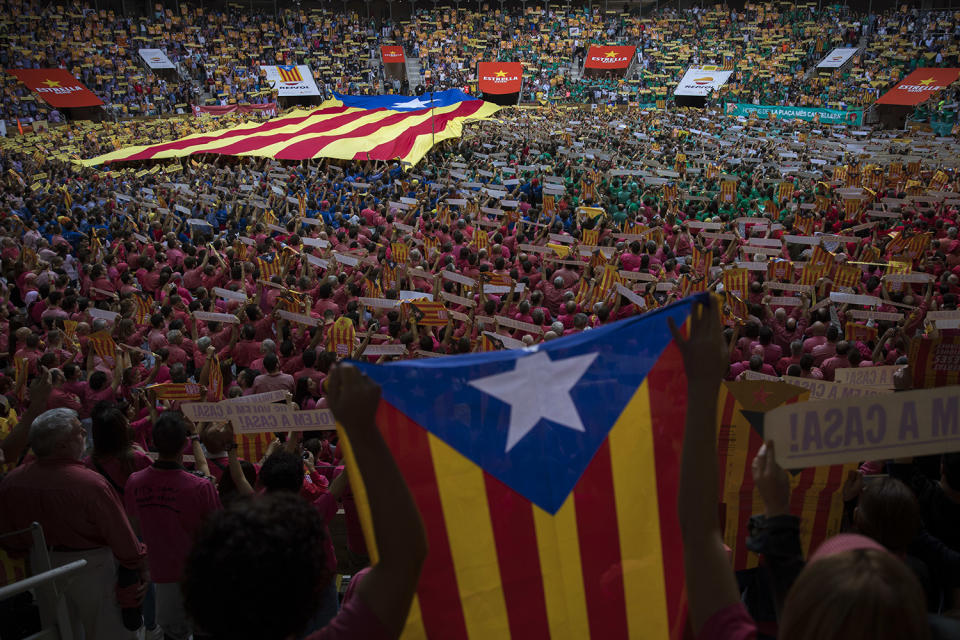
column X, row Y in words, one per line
column 845, row 542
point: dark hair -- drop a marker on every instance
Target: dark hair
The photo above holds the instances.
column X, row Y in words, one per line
column 226, row 487
column 109, row 428
column 170, row 433
column 889, row 513
column 274, row 540
column 282, row 471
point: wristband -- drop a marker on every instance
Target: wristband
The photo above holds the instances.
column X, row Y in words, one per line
column 193, row 437
column 230, row 446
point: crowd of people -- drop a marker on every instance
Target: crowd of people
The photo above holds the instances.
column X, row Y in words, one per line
column 218, row 54
column 129, row 290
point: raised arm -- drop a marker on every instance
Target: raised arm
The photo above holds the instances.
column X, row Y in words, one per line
column 710, row 582
column 389, row 588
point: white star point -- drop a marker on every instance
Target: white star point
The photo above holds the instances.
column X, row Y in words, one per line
column 538, row 388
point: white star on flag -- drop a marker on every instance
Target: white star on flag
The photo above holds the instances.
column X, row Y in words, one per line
column 416, row 103
column 538, row 387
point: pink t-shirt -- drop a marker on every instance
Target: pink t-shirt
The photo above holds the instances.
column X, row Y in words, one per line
column 730, row 623
column 355, row 620
column 171, row 503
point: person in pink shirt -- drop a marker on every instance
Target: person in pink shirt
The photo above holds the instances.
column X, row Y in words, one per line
column 169, row 504
column 837, row 361
column 283, row 520
column 114, row 455
column 273, row 379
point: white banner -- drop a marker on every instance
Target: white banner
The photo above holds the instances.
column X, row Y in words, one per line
column 837, row 58
column 156, row 59
column 291, row 80
column 699, row 82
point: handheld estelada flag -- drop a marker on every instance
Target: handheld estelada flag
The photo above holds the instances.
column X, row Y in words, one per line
column 546, row 479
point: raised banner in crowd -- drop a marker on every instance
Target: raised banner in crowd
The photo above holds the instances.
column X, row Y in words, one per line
column 57, row 87
column 919, row 86
column 392, row 54
column 699, row 81
column 500, row 77
column 837, row 58
column 156, row 59
column 267, row 109
column 829, row 116
column 609, row 57
column 910, row 423
column 377, row 128
column 291, row 80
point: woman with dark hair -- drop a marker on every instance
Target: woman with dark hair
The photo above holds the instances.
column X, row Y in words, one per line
column 114, row 455
column 305, row 393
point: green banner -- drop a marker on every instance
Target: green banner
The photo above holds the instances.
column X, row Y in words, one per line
column 827, row 116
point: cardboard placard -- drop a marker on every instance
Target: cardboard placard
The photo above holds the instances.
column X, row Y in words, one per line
column 910, row 423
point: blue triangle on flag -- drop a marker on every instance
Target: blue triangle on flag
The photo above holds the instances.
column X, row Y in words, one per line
column 533, row 418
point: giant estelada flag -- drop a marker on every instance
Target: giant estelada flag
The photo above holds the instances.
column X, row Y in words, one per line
column 547, row 482
column 390, row 127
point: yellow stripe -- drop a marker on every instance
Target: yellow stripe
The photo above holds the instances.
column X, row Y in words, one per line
column 736, row 461
column 472, row 546
column 638, row 519
column 413, row 629
column 562, row 576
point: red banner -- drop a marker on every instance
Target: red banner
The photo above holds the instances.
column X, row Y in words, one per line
column 267, row 109
column 920, row 85
column 607, row 57
column 57, row 87
column 500, row 77
column 392, row 54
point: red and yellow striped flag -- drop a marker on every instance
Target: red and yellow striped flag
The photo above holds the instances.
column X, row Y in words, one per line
column 177, row 391
column 917, row 245
column 784, row 192
column 270, row 265
column 939, row 180
column 143, row 307
column 430, row 242
column 701, row 261
column 549, row 203
column 847, row 275
column 736, row 281
column 728, row 191
column 480, row 238
column 590, row 237
column 531, row 535
column 669, row 192
column 815, row 495
column 935, row 362
column 331, row 130
column 811, row 273
column 429, row 313
column 103, row 344
column 851, row 208
column 399, row 252
column 215, row 379
column 342, row 337
column 780, row 270
column 820, row 257
column 856, row 332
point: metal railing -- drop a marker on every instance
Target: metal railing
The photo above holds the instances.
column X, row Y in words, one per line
column 54, row 620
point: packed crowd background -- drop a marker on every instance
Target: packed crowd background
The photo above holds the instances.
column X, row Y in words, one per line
column 536, row 224
column 218, row 54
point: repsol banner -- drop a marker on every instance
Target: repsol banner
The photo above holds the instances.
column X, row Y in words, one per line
column 827, row 116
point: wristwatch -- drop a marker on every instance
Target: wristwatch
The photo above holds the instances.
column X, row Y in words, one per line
column 230, row 446
column 194, row 437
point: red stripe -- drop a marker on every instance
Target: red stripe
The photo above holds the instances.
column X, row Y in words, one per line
column 746, row 499
column 599, row 535
column 667, row 387
column 822, row 516
column 403, row 143
column 799, row 493
column 316, row 131
column 151, row 151
column 438, row 593
column 723, row 447
column 519, row 558
column 921, row 365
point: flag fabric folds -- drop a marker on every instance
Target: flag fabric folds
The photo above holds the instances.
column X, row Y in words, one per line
column 347, row 128
column 815, row 493
column 547, row 480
